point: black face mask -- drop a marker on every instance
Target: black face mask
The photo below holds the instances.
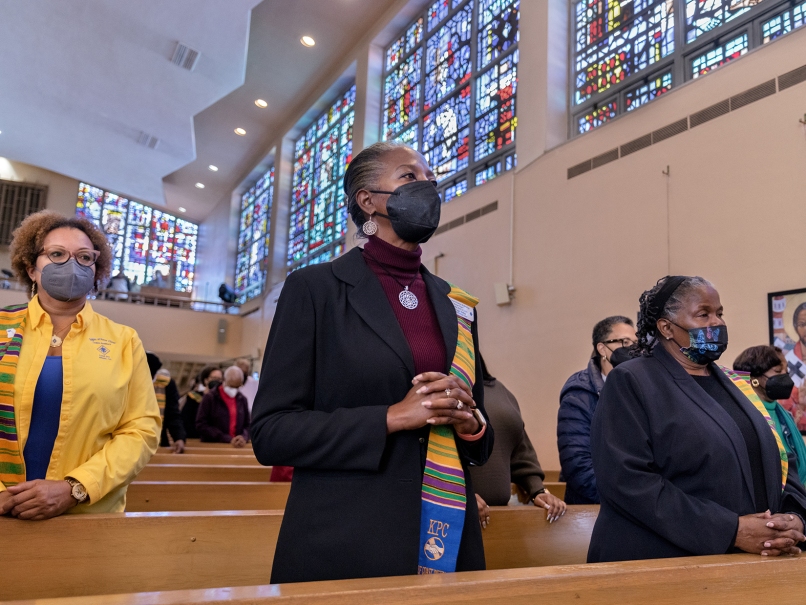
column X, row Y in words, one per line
column 779, row 387
column 414, row 210
column 213, row 385
column 620, row 355
column 705, row 344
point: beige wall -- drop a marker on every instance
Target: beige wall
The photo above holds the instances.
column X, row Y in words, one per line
column 62, row 191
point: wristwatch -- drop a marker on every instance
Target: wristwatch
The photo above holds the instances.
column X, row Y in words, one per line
column 78, row 491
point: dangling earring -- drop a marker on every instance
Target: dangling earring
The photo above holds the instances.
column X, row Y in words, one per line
column 369, row 227
column 33, row 289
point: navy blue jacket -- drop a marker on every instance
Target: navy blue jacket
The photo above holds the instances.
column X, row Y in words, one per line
column 578, row 400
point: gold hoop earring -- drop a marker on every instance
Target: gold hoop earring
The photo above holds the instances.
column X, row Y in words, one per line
column 755, row 382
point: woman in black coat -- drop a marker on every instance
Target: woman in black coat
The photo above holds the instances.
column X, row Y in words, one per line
column 356, row 372
column 685, row 462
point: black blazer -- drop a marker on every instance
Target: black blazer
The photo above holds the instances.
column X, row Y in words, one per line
column 672, row 466
column 336, row 359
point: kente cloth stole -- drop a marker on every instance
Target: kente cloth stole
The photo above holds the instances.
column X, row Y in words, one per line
column 444, row 500
column 12, row 324
column 742, row 380
column 161, row 381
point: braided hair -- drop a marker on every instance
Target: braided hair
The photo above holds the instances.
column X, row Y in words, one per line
column 649, row 312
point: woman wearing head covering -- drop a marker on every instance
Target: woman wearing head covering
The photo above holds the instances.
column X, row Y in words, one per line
column 765, row 368
column 686, row 458
column 78, row 410
column 369, row 391
column 578, row 399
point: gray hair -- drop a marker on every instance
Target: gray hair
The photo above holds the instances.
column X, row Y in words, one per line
column 363, row 173
column 232, row 371
column 676, row 301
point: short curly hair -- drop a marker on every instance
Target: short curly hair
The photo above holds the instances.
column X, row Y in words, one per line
column 29, row 238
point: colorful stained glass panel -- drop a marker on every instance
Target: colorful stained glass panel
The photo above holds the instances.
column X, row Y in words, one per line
column 703, row 16
column 648, row 91
column 253, row 238
column 498, row 29
column 616, row 39
column 402, row 95
column 716, row 57
column 783, row 23
column 597, row 116
column 456, row 190
column 447, row 57
column 404, row 44
column 495, row 107
column 90, row 200
column 446, row 136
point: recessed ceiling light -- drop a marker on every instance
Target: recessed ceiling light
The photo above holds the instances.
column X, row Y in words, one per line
column 261, row 103
column 240, row 132
column 213, row 168
column 199, row 185
column 182, row 209
column 307, row 41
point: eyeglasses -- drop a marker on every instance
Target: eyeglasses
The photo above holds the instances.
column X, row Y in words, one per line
column 624, row 342
column 58, row 256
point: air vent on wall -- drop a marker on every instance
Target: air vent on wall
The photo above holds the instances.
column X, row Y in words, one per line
column 148, row 140
column 18, row 200
column 185, row 57
column 751, row 95
column 468, row 217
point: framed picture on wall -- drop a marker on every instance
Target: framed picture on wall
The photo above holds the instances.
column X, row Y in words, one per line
column 787, row 316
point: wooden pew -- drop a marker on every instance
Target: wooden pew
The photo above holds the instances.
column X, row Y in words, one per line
column 207, row 451
column 556, row 488
column 77, row 555
column 204, row 459
column 172, row 496
column 714, row 580
column 194, row 472
column 552, row 476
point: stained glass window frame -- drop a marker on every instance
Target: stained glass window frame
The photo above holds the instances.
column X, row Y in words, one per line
column 474, row 153
column 143, row 270
column 254, row 248
column 679, row 63
column 318, row 201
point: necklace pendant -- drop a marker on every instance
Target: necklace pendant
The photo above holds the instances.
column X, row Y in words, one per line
column 408, row 299
column 55, row 342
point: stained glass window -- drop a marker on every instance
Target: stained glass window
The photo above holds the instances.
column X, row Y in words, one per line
column 495, row 168
column 450, row 87
column 318, row 222
column 253, row 238
column 723, row 53
column 143, row 240
column 784, row 22
column 631, row 52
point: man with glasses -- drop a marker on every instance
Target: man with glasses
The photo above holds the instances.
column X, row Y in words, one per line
column 578, row 400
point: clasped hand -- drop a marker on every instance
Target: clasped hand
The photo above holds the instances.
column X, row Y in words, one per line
column 434, row 399
column 37, row 500
column 770, row 535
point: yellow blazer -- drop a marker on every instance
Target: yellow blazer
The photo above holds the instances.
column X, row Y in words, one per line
column 110, row 423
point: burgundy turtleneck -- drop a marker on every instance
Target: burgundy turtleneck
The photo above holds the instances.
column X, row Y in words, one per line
column 420, row 325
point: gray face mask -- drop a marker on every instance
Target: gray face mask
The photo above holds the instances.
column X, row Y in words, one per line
column 67, row 282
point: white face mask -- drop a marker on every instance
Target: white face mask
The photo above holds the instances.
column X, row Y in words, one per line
column 201, row 388
column 231, row 391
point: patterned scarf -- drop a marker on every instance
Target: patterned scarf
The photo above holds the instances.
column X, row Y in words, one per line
column 444, row 500
column 742, row 381
column 12, row 324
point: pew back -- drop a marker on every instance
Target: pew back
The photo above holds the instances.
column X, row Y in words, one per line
column 204, row 459
column 193, row 472
column 170, row 496
column 77, row 555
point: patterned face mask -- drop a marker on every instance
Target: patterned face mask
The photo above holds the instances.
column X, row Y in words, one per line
column 705, row 344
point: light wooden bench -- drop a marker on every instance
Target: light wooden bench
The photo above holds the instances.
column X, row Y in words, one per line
column 556, row 488
column 172, row 496
column 714, row 580
column 205, row 459
column 77, row 555
column 194, row 472
column 209, row 451
column 197, row 443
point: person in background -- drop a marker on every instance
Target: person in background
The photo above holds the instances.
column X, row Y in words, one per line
column 513, row 459
column 223, row 414
column 249, row 388
column 209, row 378
column 80, row 418
column 765, row 368
column 578, row 398
column 796, row 362
column 118, row 288
column 687, row 462
column 168, row 401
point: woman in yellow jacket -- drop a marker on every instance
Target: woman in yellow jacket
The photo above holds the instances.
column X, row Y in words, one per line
column 78, row 414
